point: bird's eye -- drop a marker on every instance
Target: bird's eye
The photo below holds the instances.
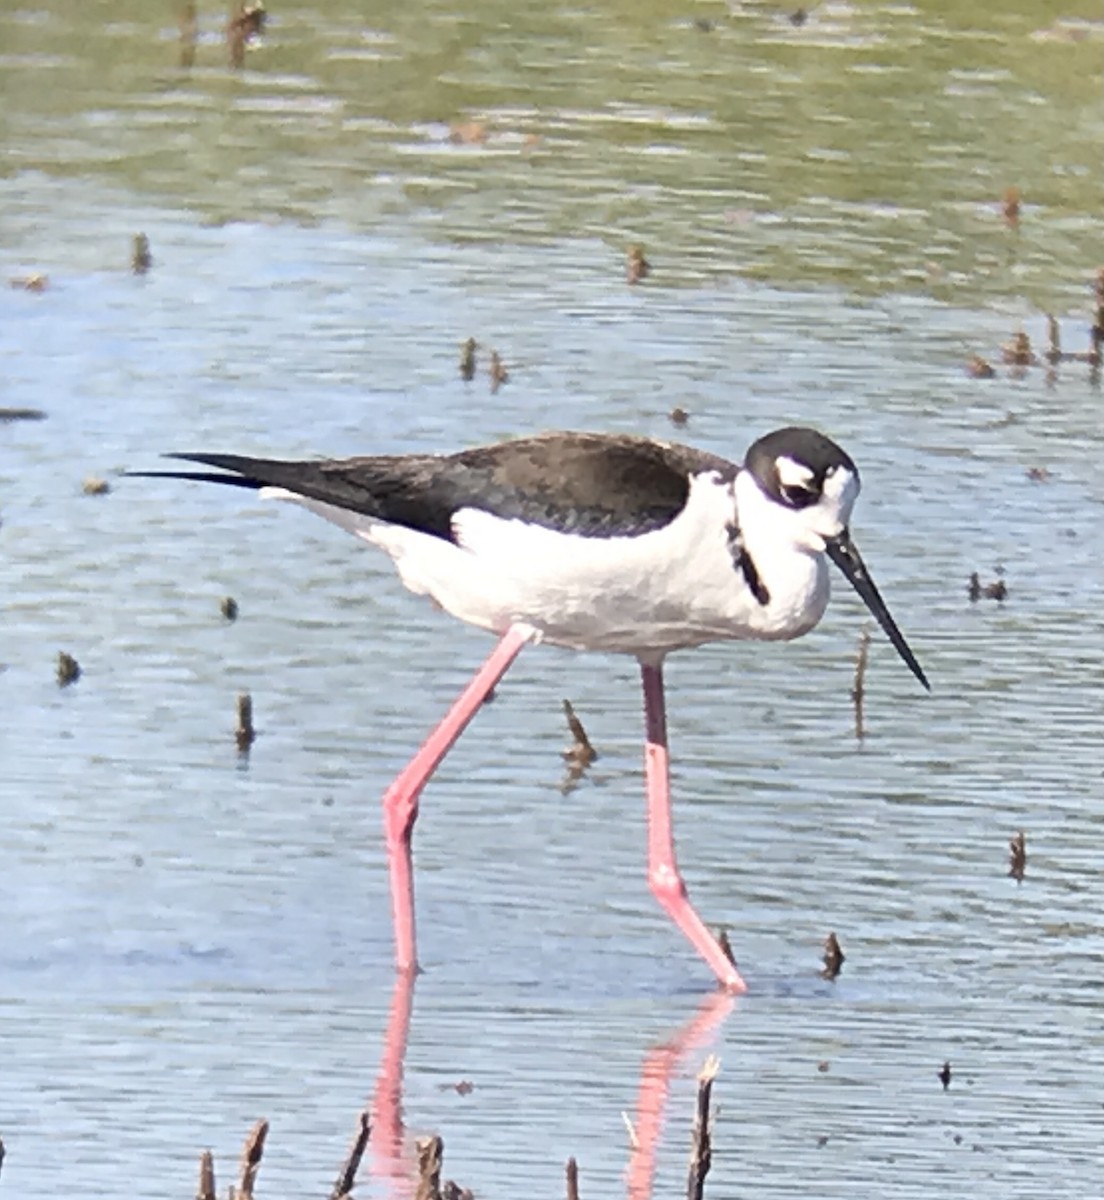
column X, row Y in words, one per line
column 797, row 496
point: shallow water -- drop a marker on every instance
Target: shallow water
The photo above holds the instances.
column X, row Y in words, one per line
column 190, row 941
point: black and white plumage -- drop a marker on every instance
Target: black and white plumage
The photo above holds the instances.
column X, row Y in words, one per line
column 600, row 542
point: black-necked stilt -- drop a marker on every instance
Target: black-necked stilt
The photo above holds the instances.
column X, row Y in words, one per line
column 594, row 542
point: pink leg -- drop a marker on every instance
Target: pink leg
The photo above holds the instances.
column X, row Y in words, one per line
column 400, row 801
column 663, row 873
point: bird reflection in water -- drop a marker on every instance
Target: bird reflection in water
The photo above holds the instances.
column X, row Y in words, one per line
column 393, row 1157
column 660, row 1065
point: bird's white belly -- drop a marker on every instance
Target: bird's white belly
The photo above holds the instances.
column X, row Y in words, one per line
column 677, row 586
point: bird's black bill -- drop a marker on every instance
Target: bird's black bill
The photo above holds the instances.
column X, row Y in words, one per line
column 841, row 550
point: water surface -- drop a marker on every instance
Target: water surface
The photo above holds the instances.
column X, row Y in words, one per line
column 189, row 942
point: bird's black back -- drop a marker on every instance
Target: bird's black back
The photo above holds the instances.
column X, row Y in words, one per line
column 593, row 485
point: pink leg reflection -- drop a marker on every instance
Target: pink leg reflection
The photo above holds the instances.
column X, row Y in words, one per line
column 390, row 1157
column 655, row 1082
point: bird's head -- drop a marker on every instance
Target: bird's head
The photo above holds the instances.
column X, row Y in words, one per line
column 814, row 484
column 808, row 476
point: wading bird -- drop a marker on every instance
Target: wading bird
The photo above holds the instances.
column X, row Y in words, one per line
column 593, row 542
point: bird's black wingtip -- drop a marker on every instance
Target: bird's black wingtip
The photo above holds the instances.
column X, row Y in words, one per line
column 223, row 476
column 223, row 461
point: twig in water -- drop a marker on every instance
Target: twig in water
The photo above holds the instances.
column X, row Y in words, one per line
column 244, row 25
column 726, row 946
column 638, row 267
column 36, row 282
column 572, row 1179
column 634, row 1141
column 701, row 1154
column 581, row 753
column 979, row 368
column 431, row 1152
column 346, row 1177
column 581, row 748
column 68, row 669
column 976, row 590
column 467, row 360
column 251, row 1160
column 834, row 957
column 21, row 414
column 1098, row 322
column 858, row 688
column 2, row 1154
column 141, row 257
column 1010, row 207
column 206, row 1190
column 245, row 734
column 499, row 374
column 1018, row 857
column 1017, row 352
column 189, row 31
column 1054, row 338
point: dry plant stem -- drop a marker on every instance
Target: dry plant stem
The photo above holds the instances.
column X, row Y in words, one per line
column 467, row 359
column 701, row 1153
column 68, row 669
column 498, row 372
column 206, row 1190
column 251, row 1160
column 858, row 688
column 21, row 414
column 431, row 1152
column 189, row 31
column 245, row 23
column 572, row 1179
column 236, row 40
column 1097, row 334
column 581, row 750
column 834, row 957
column 346, row 1177
column 1054, row 338
column 141, row 258
column 245, row 734
column 1018, row 857
column 630, row 1129
column 2, row 1154
column 580, row 754
column 726, row 946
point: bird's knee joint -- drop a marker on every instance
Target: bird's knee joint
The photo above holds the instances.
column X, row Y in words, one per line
column 666, row 884
column 398, row 823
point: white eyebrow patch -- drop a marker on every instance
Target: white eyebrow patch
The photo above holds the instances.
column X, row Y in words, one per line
column 842, row 487
column 792, row 473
